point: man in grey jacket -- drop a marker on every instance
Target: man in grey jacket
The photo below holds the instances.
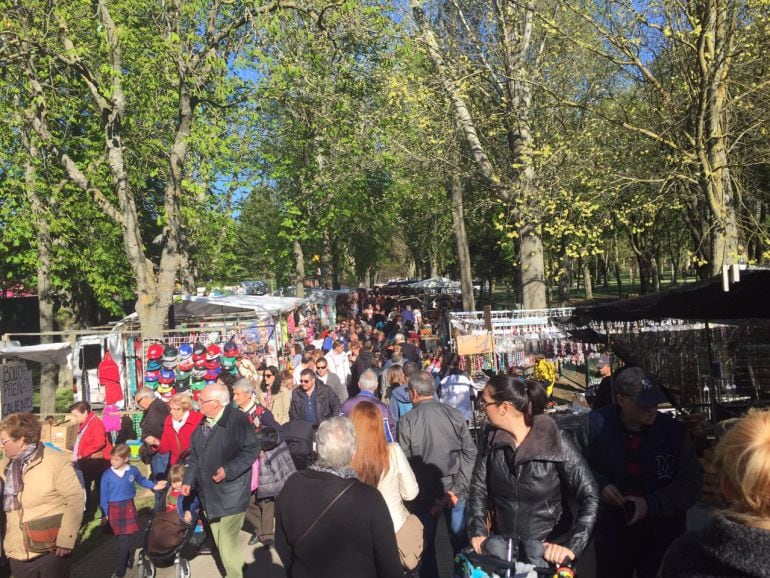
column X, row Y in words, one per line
column 222, row 450
column 436, row 439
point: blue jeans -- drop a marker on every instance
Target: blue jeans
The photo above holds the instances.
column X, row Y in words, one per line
column 458, row 536
column 159, row 467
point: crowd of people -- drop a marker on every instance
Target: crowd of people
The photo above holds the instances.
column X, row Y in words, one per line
column 394, row 453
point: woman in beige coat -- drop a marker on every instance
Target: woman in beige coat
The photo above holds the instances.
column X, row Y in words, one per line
column 273, row 394
column 41, row 490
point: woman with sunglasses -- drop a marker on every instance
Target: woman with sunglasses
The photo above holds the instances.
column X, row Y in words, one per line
column 273, row 395
column 524, row 469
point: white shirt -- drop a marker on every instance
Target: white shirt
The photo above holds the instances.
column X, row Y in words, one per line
column 398, row 484
column 339, row 365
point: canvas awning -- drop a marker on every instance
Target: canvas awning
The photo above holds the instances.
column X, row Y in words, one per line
column 57, row 353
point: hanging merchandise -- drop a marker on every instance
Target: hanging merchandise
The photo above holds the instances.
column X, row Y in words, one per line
column 109, row 377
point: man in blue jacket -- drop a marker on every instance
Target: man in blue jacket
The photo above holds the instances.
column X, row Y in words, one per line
column 648, row 474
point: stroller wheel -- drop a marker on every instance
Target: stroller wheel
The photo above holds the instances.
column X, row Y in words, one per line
column 146, row 567
column 182, row 568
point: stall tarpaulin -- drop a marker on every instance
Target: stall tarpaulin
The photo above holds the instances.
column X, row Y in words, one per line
column 57, row 353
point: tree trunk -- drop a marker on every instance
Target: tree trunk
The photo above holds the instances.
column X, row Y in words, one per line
column 461, row 240
column 532, row 269
column 49, row 371
column 299, row 268
column 589, row 291
column 563, row 275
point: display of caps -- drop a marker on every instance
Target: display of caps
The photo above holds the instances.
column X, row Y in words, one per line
column 151, row 376
column 200, row 363
column 199, row 373
column 165, row 392
column 197, row 384
column 170, row 364
column 196, row 357
column 154, row 365
column 155, row 351
column 182, row 385
column 199, row 348
column 212, row 374
column 170, row 353
column 234, row 371
column 228, row 362
column 167, row 376
column 185, row 351
column 230, row 349
column 213, row 351
column 214, row 363
column 185, row 365
column 183, row 375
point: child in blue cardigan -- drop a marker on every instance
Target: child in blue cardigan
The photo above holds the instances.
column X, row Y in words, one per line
column 117, row 501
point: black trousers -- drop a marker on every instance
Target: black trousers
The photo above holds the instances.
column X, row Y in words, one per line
column 45, row 566
column 622, row 550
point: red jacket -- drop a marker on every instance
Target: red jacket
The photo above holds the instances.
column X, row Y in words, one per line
column 175, row 443
column 93, row 438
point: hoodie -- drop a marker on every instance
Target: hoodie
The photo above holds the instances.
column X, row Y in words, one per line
column 400, row 402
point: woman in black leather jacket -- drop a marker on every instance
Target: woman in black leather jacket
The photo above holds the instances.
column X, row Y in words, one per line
column 525, row 471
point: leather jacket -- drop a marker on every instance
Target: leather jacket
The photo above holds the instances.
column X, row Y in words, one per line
column 526, row 488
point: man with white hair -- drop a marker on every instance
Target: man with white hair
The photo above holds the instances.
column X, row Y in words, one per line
column 368, row 383
column 408, row 350
column 329, row 524
column 223, row 449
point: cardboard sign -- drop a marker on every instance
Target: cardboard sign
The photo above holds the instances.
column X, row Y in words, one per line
column 15, row 388
column 475, row 344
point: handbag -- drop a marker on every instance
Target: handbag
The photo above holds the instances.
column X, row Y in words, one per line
column 410, row 542
column 40, row 534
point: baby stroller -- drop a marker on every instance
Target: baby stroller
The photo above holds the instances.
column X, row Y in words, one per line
column 169, row 541
column 505, row 558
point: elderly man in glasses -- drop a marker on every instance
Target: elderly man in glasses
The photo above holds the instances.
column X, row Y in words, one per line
column 222, row 451
column 313, row 401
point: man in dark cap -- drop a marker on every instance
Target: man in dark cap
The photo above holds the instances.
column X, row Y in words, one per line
column 601, row 395
column 648, row 473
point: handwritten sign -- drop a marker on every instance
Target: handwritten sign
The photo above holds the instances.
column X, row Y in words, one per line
column 16, row 390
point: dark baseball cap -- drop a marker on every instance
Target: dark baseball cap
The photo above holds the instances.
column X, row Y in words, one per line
column 635, row 383
column 602, row 361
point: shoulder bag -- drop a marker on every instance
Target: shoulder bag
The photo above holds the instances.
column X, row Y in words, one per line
column 40, row 534
column 410, row 542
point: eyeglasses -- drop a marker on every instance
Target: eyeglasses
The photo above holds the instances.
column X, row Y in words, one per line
column 5, row 441
column 306, row 380
column 483, row 403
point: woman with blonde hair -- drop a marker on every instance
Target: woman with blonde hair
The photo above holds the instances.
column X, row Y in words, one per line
column 380, row 464
column 737, row 541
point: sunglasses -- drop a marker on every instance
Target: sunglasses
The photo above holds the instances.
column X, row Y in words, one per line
column 269, row 375
column 321, row 366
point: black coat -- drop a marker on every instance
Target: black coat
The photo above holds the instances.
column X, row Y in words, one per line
column 232, row 445
column 153, row 419
column 327, row 404
column 725, row 549
column 353, row 539
column 526, row 487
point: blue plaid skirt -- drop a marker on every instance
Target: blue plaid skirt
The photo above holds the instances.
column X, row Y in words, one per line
column 123, row 517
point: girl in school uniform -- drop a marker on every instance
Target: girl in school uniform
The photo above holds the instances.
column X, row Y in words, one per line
column 117, row 501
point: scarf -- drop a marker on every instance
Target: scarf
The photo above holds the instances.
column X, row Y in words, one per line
column 14, row 482
column 177, row 425
column 346, row 473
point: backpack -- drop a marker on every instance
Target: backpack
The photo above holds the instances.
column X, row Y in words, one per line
column 298, row 435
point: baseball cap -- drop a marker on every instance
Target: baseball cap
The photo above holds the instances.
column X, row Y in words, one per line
column 185, row 351
column 155, row 351
column 602, row 361
column 635, row 383
column 167, row 376
column 230, row 349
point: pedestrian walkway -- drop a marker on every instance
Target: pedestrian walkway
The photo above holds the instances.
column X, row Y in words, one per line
column 261, row 562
